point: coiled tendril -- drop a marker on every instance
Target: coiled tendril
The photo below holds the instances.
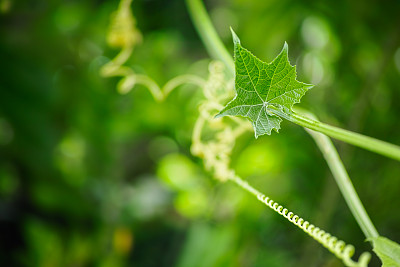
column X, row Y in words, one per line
column 337, row 247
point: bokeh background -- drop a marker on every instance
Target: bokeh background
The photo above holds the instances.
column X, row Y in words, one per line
column 90, row 177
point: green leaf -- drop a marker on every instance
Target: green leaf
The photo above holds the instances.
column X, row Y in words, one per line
column 387, row 250
column 260, row 85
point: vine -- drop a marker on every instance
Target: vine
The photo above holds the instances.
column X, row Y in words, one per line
column 217, row 89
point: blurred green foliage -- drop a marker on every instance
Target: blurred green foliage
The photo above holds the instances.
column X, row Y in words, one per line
column 89, row 177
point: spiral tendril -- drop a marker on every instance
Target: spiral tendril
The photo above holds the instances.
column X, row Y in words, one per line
column 337, row 247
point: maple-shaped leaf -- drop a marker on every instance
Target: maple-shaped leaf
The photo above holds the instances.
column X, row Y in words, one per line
column 260, row 85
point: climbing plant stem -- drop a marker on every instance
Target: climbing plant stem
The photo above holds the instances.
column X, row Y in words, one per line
column 208, row 34
column 366, row 142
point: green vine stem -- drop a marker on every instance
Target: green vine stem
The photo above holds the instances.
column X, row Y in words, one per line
column 207, row 33
column 337, row 247
column 366, row 142
column 342, row 179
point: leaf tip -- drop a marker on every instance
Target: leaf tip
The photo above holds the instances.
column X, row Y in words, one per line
column 219, row 115
column 309, row 86
column 235, row 38
column 285, row 47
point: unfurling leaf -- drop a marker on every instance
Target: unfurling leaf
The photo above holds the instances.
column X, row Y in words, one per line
column 260, row 85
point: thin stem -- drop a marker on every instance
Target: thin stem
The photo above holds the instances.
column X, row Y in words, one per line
column 179, row 80
column 207, row 33
column 366, row 142
column 345, row 185
column 151, row 85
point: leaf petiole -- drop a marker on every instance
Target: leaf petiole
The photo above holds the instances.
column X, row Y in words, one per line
column 366, row 142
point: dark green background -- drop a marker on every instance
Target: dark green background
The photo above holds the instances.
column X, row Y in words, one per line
column 89, row 177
